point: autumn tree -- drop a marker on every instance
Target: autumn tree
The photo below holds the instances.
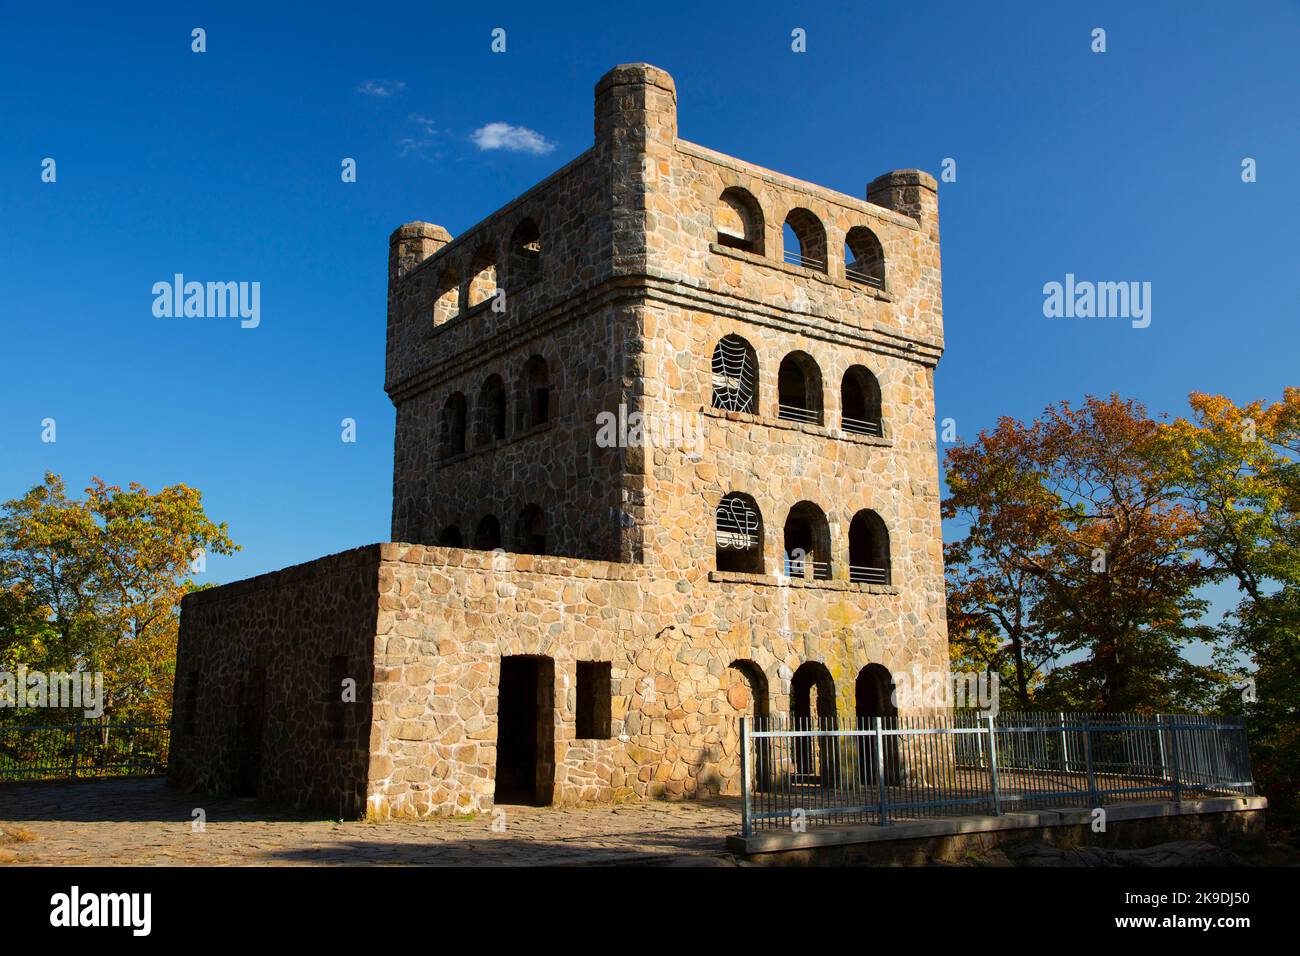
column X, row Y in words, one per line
column 94, row 585
column 1238, row 467
column 1077, row 545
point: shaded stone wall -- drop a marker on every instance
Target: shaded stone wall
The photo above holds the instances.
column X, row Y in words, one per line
column 563, row 308
column 263, row 648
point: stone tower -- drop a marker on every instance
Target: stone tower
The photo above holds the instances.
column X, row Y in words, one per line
column 570, row 617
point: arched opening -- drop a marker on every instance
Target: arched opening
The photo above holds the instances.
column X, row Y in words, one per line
column 873, row 697
column 525, row 253
column 812, row 707
column 747, row 694
column 491, row 425
column 534, row 406
column 735, row 375
column 864, row 257
column 860, row 403
column 807, row 541
column 482, row 277
column 449, row 537
column 869, row 549
column 530, row 531
column 453, row 425
column 487, row 534
column 738, row 535
column 799, row 389
column 446, row 297
column 804, row 240
column 740, row 221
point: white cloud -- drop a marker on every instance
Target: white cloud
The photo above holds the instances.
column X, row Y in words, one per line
column 516, row 139
column 422, row 140
column 381, row 88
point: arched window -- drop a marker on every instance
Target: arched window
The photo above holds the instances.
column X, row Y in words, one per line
column 812, row 707
column 450, row 537
column 804, row 239
column 487, row 535
column 531, row 531
column 799, row 389
column 534, row 407
column 740, row 221
column 739, row 534
column 864, row 258
column 453, row 425
column 525, row 253
column 807, row 543
column 735, row 375
column 491, row 424
column 860, row 402
column 482, row 277
column 446, row 296
column 869, row 549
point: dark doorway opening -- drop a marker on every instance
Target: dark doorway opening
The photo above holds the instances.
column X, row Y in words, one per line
column 248, row 733
column 526, row 731
column 873, row 693
column 812, row 707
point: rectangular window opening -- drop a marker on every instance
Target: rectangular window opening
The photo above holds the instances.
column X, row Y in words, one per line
column 594, row 699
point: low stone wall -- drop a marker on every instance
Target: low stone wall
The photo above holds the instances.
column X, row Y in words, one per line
column 423, row 632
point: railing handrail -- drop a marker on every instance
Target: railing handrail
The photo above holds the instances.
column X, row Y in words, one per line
column 928, row 765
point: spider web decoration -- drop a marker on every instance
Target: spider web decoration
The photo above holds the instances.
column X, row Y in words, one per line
column 733, row 377
column 737, row 525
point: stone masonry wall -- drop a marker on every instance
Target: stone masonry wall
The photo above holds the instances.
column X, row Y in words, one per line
column 262, row 650
column 447, row 616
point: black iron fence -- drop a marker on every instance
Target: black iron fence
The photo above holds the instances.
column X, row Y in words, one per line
column 815, row 772
column 71, row 751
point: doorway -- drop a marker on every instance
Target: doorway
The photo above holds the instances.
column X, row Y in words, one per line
column 248, row 734
column 873, row 692
column 526, row 730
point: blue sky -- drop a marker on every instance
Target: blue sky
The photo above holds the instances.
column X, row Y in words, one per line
column 1124, row 165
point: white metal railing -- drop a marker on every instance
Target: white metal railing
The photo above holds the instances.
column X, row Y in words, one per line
column 807, row 567
column 795, row 259
column 863, row 574
column 881, row 769
column 861, row 427
column 866, row 278
column 794, row 413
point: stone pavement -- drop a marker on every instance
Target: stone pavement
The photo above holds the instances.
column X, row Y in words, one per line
column 142, row 822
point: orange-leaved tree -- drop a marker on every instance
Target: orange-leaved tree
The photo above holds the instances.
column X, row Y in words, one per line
column 94, row 585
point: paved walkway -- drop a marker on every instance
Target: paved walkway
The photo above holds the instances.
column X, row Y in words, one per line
column 142, row 822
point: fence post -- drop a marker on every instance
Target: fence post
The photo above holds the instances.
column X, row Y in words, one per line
column 1065, row 743
column 993, row 767
column 76, row 749
column 1160, row 739
column 746, row 780
column 1087, row 756
column 1173, row 745
column 880, row 773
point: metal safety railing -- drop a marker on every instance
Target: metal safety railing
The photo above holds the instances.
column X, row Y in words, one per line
column 806, row 566
column 795, row 259
column 866, row 278
column 863, row 574
column 860, row 426
column 797, row 413
column 887, row 769
column 71, row 751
